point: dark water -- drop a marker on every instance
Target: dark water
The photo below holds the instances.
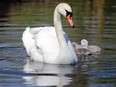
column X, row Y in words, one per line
column 95, row 20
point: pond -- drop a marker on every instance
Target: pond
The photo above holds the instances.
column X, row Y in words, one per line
column 95, row 20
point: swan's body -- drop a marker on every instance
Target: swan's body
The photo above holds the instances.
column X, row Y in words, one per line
column 51, row 44
column 85, row 49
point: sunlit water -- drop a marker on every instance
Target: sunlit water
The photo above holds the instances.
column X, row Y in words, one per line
column 95, row 22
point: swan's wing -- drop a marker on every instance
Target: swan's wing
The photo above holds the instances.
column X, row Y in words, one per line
column 66, row 37
column 28, row 39
column 70, row 47
column 47, row 42
column 29, row 43
column 94, row 49
column 34, row 31
column 72, row 50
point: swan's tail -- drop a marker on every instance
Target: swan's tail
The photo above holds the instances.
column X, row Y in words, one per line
column 27, row 39
column 25, row 34
column 27, row 28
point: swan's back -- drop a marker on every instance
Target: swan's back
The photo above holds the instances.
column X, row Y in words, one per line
column 94, row 49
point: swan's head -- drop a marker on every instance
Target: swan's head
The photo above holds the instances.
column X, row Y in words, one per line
column 84, row 43
column 65, row 10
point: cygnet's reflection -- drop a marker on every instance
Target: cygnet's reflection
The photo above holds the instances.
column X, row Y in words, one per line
column 50, row 75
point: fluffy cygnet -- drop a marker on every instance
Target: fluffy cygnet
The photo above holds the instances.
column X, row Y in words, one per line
column 84, row 49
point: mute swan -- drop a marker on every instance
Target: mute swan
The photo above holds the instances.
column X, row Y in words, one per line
column 85, row 49
column 51, row 44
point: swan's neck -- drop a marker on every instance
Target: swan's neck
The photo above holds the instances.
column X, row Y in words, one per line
column 58, row 28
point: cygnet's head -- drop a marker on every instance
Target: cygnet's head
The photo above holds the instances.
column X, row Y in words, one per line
column 84, row 43
column 65, row 10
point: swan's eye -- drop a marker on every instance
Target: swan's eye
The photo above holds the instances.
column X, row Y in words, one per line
column 68, row 13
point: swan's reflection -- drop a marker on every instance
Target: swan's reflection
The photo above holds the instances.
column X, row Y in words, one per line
column 50, row 75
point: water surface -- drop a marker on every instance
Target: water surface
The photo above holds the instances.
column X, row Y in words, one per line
column 94, row 21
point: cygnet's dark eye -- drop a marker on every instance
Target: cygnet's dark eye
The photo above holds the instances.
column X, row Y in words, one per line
column 68, row 13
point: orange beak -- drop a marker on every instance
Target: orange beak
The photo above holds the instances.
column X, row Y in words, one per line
column 69, row 18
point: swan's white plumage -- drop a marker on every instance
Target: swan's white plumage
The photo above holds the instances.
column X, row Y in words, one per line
column 42, row 44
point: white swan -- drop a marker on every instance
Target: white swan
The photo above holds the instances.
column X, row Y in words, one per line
column 51, row 44
column 85, row 49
